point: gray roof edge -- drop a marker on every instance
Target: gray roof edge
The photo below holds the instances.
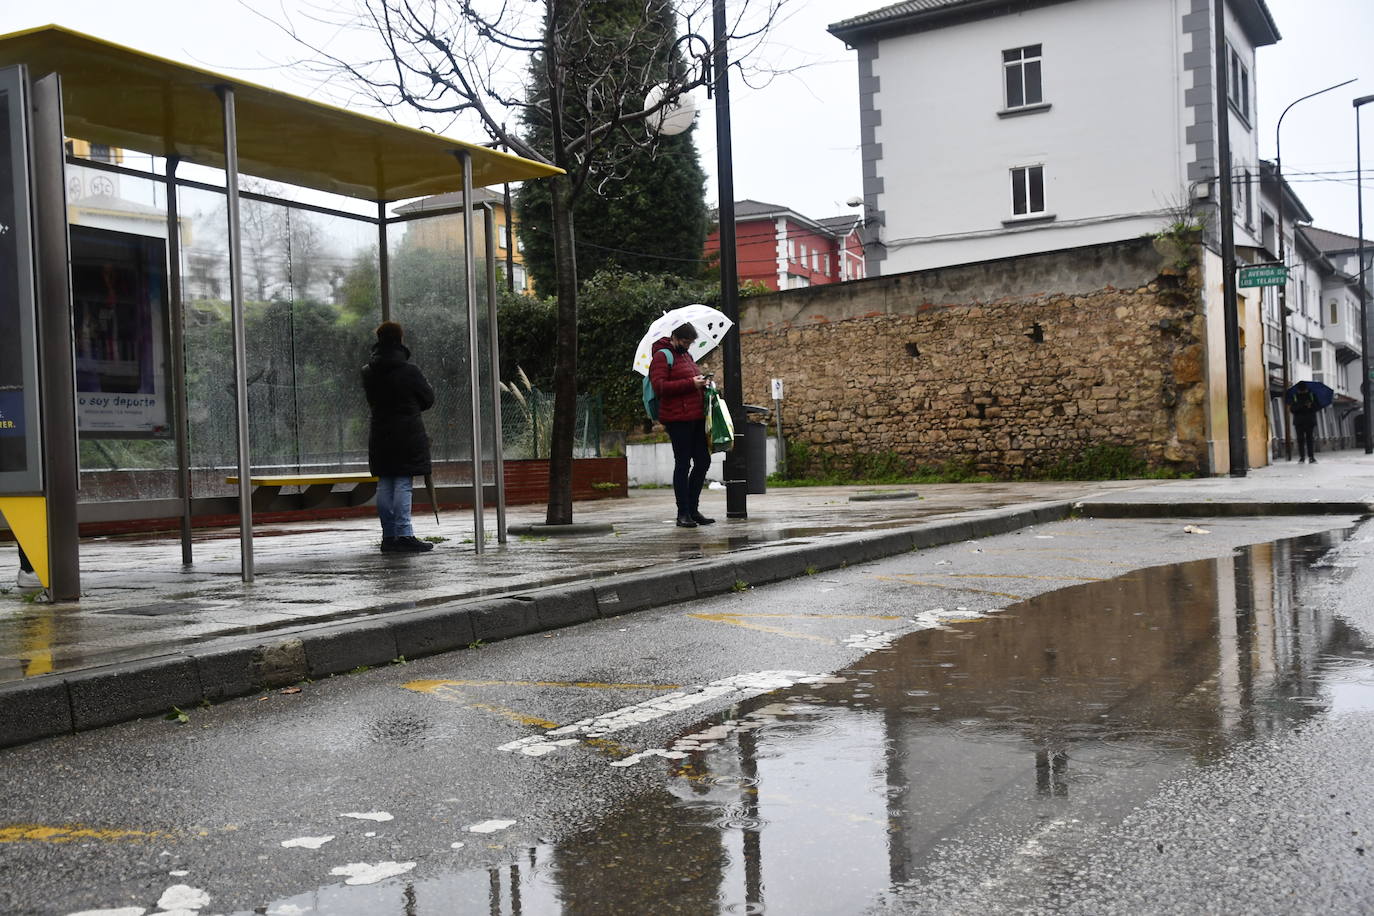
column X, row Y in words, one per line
column 919, row 15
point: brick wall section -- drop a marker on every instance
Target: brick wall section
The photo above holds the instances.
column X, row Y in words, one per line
column 1008, row 365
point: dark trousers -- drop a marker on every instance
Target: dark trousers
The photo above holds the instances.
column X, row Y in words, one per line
column 1306, row 441
column 691, row 460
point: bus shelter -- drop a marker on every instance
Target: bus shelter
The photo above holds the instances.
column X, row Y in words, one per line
column 94, row 308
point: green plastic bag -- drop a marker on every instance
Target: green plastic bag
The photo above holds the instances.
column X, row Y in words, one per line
column 720, row 428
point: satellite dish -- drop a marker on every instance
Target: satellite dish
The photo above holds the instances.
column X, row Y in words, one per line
column 674, row 118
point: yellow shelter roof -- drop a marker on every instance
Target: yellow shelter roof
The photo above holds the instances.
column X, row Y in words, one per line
column 124, row 98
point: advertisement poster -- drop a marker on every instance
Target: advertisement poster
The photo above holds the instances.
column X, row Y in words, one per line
column 119, row 317
column 20, row 467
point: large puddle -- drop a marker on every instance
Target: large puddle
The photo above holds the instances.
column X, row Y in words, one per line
column 823, row 797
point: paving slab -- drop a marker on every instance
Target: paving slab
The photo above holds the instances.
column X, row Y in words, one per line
column 150, row 633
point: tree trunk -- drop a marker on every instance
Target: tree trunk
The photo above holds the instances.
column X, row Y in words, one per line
column 560, row 510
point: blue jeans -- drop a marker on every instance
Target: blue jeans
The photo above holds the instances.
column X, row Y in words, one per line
column 393, row 506
column 691, row 461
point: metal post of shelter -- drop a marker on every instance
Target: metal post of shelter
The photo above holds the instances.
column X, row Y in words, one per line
column 474, row 369
column 494, row 348
column 231, row 187
column 180, row 406
column 56, row 354
column 383, row 261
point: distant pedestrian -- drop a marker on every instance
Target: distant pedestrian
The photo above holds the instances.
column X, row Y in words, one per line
column 1305, row 408
column 680, row 387
column 397, row 444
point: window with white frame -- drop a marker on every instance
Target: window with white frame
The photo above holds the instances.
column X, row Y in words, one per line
column 1028, row 190
column 1021, row 69
column 505, row 237
column 1335, row 312
column 792, row 250
column 1238, row 88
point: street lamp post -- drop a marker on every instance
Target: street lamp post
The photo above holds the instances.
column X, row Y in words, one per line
column 1368, row 395
column 736, row 487
column 1283, row 259
column 715, row 63
column 1235, row 395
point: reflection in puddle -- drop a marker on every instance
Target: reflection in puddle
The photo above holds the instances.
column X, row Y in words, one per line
column 1066, row 709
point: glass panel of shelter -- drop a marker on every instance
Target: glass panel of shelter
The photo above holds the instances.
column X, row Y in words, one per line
column 312, row 300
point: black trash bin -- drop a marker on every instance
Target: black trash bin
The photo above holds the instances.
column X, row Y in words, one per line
column 755, row 449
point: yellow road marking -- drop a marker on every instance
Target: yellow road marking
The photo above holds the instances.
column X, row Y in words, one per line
column 533, row 721
column 1008, row 576
column 430, row 686
column 912, row 580
column 736, row 620
column 802, row 616
column 40, row 833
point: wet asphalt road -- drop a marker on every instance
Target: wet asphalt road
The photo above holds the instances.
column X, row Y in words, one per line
column 1030, row 723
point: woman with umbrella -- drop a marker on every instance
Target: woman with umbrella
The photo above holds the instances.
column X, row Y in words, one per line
column 680, row 386
column 1305, row 399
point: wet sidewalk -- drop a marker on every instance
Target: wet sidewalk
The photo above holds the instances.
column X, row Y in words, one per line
column 150, row 633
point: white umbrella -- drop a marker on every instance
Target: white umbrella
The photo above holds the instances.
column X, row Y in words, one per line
column 711, row 325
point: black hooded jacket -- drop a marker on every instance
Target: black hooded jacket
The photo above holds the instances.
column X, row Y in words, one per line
column 397, row 393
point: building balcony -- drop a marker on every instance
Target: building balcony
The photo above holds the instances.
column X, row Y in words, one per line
column 1345, row 339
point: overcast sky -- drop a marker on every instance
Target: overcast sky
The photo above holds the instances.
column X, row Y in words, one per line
column 796, row 140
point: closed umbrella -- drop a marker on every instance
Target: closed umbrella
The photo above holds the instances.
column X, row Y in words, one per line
column 434, row 499
column 711, row 325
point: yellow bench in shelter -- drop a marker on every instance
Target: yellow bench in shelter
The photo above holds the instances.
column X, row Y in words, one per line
column 317, row 487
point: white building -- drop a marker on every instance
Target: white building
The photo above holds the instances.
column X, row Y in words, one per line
column 993, row 129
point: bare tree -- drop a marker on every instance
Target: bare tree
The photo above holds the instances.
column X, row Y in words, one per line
column 460, row 59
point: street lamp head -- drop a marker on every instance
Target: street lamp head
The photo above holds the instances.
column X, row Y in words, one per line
column 1363, row 100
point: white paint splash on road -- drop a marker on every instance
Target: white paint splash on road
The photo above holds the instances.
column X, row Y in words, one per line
column 734, row 688
column 306, row 842
column 183, row 897
column 491, row 826
column 371, row 872
column 368, row 815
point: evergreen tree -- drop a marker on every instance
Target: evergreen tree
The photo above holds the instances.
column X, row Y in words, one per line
column 645, row 213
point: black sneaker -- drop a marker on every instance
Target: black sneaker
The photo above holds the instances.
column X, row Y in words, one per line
column 685, row 521
column 701, row 519
column 412, row 544
column 389, row 545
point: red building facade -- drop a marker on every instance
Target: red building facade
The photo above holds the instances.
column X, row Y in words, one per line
column 782, row 249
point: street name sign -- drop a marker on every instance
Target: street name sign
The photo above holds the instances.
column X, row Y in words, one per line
column 1263, row 275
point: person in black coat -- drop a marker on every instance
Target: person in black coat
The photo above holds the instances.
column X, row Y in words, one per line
column 397, row 444
column 1304, row 405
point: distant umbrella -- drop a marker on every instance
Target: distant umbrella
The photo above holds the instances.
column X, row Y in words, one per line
column 1321, row 392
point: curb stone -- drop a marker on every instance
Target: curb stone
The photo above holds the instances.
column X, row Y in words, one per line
column 234, row 666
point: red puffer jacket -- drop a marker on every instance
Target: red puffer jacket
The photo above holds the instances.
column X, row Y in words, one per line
column 678, row 396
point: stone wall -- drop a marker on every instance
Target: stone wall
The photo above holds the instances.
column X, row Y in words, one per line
column 1008, row 365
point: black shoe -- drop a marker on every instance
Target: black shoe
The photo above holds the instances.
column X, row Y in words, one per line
column 389, row 545
column 1302, row 460
column 701, row 519
column 412, row 544
column 1311, row 460
column 685, row 521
